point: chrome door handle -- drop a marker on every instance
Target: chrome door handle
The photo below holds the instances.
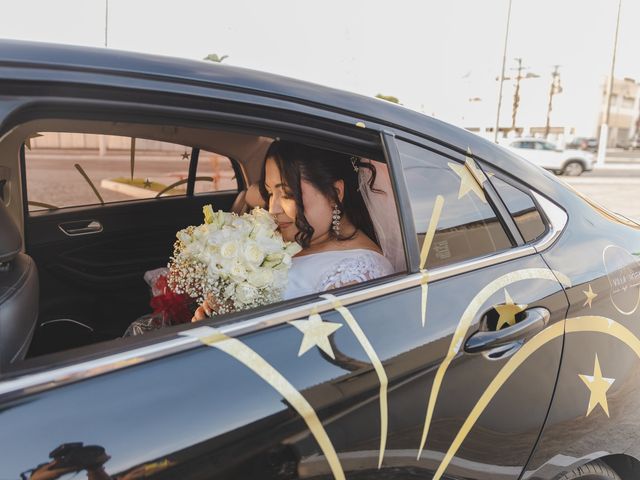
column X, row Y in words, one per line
column 534, row 321
column 80, row 227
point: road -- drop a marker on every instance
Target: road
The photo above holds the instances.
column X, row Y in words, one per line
column 617, row 189
column 53, row 179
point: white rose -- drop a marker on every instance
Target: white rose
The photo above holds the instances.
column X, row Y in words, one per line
column 292, row 248
column 229, row 250
column 246, row 293
column 217, row 220
column 213, row 271
column 200, row 233
column 260, row 278
column 184, row 237
column 241, row 226
column 253, row 253
column 270, row 245
column 264, row 218
column 237, row 271
column 279, row 278
column 193, row 250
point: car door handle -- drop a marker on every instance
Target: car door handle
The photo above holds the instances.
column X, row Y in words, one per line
column 80, row 227
column 535, row 319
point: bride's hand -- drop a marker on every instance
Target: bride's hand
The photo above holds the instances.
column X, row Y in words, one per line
column 204, row 310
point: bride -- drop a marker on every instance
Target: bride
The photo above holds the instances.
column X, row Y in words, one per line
column 317, row 197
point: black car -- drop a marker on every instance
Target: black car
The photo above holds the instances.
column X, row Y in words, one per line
column 522, row 365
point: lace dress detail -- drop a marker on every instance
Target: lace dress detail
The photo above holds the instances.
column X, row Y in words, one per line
column 360, row 268
column 333, row 269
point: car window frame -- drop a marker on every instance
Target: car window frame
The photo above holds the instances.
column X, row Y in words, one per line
column 530, row 193
column 555, row 216
column 242, row 322
column 495, row 202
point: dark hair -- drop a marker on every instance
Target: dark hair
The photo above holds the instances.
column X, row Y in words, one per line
column 322, row 168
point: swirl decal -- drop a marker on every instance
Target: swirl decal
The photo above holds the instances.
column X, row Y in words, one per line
column 424, row 252
column 252, row 360
column 377, row 365
column 573, row 325
column 465, row 322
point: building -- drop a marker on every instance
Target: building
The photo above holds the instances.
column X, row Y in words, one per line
column 624, row 115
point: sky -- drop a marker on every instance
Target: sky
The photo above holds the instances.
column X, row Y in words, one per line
column 433, row 55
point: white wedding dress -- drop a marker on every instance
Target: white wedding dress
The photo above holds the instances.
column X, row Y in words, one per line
column 322, row 271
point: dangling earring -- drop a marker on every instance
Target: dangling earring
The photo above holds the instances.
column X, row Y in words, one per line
column 335, row 224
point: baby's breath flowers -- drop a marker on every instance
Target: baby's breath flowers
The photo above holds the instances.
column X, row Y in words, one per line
column 238, row 261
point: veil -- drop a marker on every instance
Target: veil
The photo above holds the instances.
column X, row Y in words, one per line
column 383, row 212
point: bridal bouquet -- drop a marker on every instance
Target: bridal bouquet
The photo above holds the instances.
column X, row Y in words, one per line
column 239, row 261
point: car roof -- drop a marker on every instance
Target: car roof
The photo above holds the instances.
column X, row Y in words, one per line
column 18, row 53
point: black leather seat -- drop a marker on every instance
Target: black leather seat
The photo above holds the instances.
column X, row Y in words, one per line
column 18, row 293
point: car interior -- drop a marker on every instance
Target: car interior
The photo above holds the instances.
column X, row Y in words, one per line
column 66, row 283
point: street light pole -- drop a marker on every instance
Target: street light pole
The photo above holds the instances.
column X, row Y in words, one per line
column 604, row 128
column 106, row 21
column 504, row 61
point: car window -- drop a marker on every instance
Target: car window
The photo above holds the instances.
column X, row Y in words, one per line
column 517, row 144
column 528, row 145
column 548, row 146
column 468, row 226
column 214, row 173
column 65, row 169
column 522, row 208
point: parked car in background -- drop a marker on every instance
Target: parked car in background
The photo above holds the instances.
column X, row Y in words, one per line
column 546, row 155
column 583, row 143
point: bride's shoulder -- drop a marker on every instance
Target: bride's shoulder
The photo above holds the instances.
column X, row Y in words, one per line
column 336, row 268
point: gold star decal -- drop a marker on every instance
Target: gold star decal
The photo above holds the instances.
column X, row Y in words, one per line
column 590, row 296
column 147, row 183
column 507, row 312
column 185, row 155
column 471, row 178
column 27, row 141
column 316, row 333
column 598, row 386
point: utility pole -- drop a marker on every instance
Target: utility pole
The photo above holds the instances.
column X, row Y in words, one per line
column 516, row 94
column 604, row 128
column 504, row 60
column 555, row 88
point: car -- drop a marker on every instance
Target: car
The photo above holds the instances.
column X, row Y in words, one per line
column 506, row 345
column 583, row 143
column 546, row 155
